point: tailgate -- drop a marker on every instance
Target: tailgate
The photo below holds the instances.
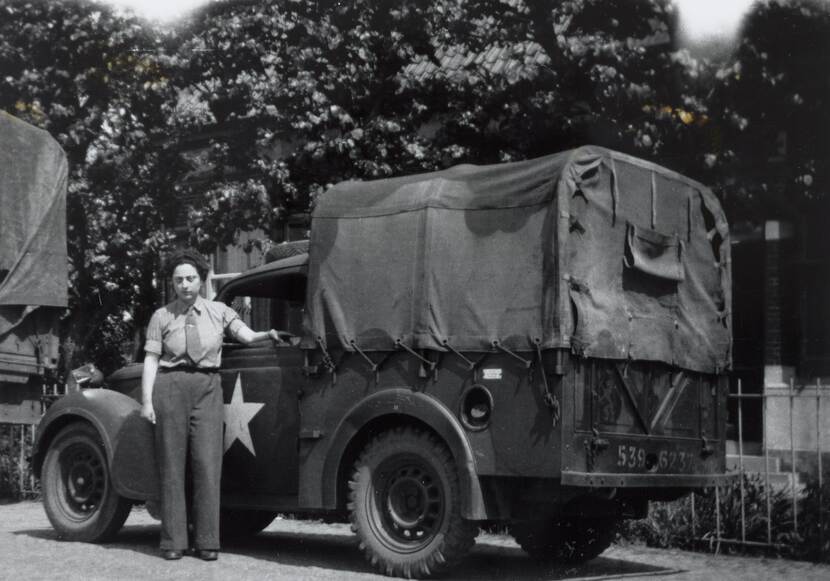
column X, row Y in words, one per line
column 641, row 424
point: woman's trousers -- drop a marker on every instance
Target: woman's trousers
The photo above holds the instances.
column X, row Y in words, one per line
column 189, row 410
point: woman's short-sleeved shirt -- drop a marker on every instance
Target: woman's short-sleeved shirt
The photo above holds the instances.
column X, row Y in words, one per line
column 166, row 332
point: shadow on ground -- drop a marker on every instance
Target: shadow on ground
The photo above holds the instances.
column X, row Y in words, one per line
column 489, row 559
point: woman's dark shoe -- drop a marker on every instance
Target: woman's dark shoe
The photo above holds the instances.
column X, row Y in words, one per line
column 207, row 555
column 171, row 555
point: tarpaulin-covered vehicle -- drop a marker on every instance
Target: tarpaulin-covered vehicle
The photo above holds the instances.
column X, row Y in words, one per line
column 540, row 344
column 33, row 265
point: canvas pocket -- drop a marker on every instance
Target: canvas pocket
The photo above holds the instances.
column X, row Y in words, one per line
column 653, row 253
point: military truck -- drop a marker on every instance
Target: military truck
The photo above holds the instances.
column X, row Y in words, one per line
column 33, row 266
column 540, row 344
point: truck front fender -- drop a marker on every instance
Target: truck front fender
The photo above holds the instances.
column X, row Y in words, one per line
column 424, row 410
column 126, row 436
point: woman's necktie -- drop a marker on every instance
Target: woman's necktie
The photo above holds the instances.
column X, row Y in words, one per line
column 192, row 339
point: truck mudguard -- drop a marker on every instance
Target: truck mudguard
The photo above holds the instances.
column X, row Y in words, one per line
column 426, row 410
column 127, row 438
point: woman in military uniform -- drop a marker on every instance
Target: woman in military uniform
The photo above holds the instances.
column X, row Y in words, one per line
column 182, row 395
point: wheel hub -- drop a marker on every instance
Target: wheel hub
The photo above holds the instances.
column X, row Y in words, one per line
column 84, row 481
column 406, row 502
column 413, row 503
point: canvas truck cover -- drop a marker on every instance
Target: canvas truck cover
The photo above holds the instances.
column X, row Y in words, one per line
column 33, row 258
column 589, row 250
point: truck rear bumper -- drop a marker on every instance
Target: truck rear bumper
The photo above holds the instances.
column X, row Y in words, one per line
column 617, row 480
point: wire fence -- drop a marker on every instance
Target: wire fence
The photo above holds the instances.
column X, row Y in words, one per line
column 17, row 480
column 779, row 505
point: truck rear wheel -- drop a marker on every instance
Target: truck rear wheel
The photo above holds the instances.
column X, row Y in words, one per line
column 78, row 494
column 565, row 540
column 405, row 506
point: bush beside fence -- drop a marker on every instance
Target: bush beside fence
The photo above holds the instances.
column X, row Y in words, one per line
column 16, row 479
column 715, row 521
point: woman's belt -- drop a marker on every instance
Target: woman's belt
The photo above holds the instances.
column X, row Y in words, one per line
column 189, row 369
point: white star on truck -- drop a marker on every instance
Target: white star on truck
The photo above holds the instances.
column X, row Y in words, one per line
column 238, row 414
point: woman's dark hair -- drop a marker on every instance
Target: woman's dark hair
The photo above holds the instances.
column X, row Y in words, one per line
column 186, row 256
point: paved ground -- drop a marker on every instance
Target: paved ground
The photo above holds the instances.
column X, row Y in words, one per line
column 30, row 550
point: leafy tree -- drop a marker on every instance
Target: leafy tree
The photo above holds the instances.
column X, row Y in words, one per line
column 253, row 108
column 307, row 97
column 607, row 73
column 772, row 100
column 338, row 91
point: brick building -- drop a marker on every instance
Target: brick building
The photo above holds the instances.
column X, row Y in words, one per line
column 781, row 308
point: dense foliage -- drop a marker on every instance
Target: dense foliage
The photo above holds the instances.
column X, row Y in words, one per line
column 248, row 110
column 803, row 534
column 371, row 89
column 16, row 478
column 769, row 105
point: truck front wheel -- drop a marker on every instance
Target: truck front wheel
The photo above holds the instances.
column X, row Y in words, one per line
column 565, row 540
column 404, row 505
column 78, row 494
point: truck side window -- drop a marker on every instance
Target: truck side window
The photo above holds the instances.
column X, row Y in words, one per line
column 261, row 313
column 268, row 302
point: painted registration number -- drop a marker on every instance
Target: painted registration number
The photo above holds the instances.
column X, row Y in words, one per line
column 634, row 457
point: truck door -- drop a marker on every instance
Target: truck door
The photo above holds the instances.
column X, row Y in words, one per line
column 260, row 385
